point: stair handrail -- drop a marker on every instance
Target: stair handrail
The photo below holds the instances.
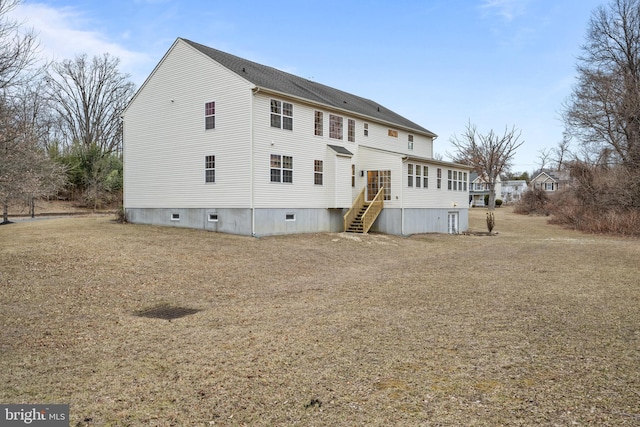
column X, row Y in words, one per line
column 372, row 212
column 353, row 211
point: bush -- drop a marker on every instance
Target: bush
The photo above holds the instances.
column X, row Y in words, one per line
column 121, row 215
column 533, row 202
column 498, row 203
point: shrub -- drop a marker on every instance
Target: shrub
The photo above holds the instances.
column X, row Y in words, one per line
column 491, row 221
column 498, row 203
column 532, row 202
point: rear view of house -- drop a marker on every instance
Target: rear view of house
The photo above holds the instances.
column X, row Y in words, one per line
column 218, row 142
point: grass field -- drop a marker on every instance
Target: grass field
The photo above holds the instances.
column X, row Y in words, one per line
column 535, row 326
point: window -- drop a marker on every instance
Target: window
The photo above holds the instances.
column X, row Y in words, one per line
column 209, row 168
column 335, row 127
column 418, row 176
column 465, row 181
column 449, row 179
column 409, row 175
column 548, row 186
column 317, row 172
column 209, row 115
column 366, row 129
column 290, row 217
column 460, row 181
column 213, row 217
column 425, row 177
column 175, row 217
column 385, row 181
column 353, row 175
column 281, row 168
column 392, row 133
column 455, row 181
column 318, row 123
column 351, row 130
column 410, row 142
column 439, row 178
column 281, row 115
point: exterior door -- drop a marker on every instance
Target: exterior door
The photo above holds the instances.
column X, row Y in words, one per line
column 452, row 223
column 377, row 180
column 373, row 184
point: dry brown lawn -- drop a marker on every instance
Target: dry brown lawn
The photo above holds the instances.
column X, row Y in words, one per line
column 535, row 326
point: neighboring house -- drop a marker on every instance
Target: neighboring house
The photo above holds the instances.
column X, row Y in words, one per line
column 479, row 188
column 218, row 142
column 551, row 181
column 512, row 190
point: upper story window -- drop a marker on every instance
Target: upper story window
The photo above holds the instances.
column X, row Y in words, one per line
column 366, row 129
column 462, row 185
column 425, row 177
column 418, row 176
column 281, row 115
column 209, row 168
column 392, row 133
column 439, row 178
column 351, row 130
column 449, row 179
column 353, row 175
column 209, row 115
column 335, row 127
column 318, row 123
column 281, row 168
column 410, row 142
column 409, row 175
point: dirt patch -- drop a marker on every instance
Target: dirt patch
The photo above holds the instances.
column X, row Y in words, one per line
column 166, row 312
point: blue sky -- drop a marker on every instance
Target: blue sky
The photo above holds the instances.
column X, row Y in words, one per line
column 440, row 63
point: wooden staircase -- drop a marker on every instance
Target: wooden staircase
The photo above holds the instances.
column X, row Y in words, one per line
column 356, row 225
column 363, row 214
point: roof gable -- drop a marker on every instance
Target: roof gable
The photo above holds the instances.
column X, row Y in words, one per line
column 273, row 79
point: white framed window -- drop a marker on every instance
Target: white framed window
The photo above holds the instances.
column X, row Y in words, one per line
column 212, row 217
column 209, row 168
column 425, row 177
column 318, row 123
column 209, row 115
column 410, row 142
column 455, row 180
column 317, row 172
column 351, row 130
column 281, row 115
column 439, row 178
column 335, row 127
column 366, row 129
column 409, row 175
column 465, row 179
column 281, row 168
column 353, row 175
column 449, row 179
column 418, row 176
column 548, row 186
column 290, row 217
column 460, row 181
column 175, row 216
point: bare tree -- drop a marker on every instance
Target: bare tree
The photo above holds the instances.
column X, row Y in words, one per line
column 88, row 97
column 604, row 108
column 544, row 155
column 562, row 152
column 25, row 170
column 17, row 49
column 490, row 154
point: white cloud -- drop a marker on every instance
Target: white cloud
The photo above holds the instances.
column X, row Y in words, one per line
column 63, row 34
column 508, row 9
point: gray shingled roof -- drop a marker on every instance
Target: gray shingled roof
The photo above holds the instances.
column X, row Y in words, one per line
column 271, row 78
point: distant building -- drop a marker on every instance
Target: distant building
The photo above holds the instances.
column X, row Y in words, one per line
column 479, row 188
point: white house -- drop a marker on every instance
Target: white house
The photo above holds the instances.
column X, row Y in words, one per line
column 218, row 142
column 513, row 189
column 479, row 188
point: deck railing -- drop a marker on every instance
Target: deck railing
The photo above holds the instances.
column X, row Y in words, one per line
column 372, row 212
column 353, row 212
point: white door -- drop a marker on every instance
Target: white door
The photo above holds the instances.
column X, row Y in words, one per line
column 452, row 223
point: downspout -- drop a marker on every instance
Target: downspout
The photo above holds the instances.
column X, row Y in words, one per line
column 404, row 159
column 252, row 173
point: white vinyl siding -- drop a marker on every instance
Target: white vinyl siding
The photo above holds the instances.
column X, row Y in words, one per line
column 164, row 152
